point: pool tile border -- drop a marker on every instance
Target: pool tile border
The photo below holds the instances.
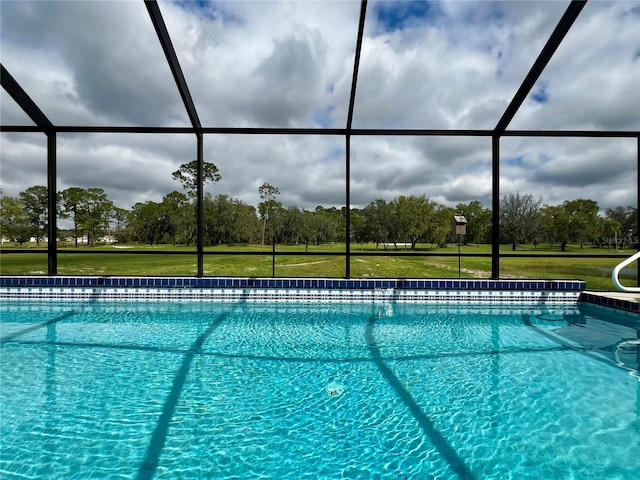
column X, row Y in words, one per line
column 290, row 289
column 297, row 283
column 251, row 295
column 611, row 302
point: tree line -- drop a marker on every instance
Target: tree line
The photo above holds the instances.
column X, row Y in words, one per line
column 400, row 223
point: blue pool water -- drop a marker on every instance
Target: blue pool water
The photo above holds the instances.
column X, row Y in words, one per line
column 179, row 390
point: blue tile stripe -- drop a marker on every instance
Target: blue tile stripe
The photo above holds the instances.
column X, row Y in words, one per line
column 313, row 283
column 617, row 303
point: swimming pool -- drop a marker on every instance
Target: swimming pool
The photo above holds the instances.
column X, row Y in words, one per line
column 194, row 390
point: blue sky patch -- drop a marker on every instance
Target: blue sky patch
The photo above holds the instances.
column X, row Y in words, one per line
column 392, row 15
column 539, row 93
column 204, row 7
column 514, row 161
column 634, row 10
column 195, row 4
column 207, row 9
column 323, row 117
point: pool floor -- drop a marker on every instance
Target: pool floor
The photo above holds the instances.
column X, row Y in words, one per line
column 194, row 390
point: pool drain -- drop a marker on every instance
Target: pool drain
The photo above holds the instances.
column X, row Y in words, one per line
column 334, row 389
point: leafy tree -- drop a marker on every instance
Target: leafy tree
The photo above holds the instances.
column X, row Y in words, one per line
column 478, row 221
column 520, row 218
column 14, row 223
column 378, row 215
column 149, row 222
column 627, row 217
column 325, row 225
column 358, row 230
column 268, row 195
column 187, row 175
column 413, row 215
column 328, row 224
column 440, row 225
column 584, row 219
column 119, row 216
column 293, row 224
column 307, row 233
column 35, row 205
column 96, row 212
column 181, row 217
column 228, row 221
column 358, row 226
column 556, row 220
column 245, row 222
column 277, row 224
column 90, row 210
column 70, row 201
column 218, row 219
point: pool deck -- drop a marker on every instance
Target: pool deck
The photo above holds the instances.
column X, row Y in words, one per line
column 629, row 302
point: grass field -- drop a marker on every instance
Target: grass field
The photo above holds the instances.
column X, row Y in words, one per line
column 218, row 261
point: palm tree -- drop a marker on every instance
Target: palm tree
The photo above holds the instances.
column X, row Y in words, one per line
column 611, row 228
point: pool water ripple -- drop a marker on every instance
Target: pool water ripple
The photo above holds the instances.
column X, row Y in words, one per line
column 321, row 392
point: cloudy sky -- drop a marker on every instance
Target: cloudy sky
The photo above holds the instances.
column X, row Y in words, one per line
column 432, row 65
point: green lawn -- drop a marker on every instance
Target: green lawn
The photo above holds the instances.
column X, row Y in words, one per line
column 402, row 264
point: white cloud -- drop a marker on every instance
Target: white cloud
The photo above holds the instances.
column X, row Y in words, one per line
column 270, row 64
column 593, row 78
column 24, row 162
